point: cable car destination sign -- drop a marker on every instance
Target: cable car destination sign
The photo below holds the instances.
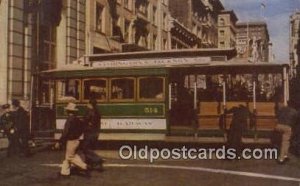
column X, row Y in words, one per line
column 152, row 62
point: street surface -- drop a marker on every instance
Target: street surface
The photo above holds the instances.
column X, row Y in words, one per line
column 42, row 169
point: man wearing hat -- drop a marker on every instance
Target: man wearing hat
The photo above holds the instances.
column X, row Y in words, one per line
column 20, row 119
column 9, row 129
column 72, row 131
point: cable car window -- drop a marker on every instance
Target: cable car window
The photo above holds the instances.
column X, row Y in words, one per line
column 68, row 90
column 151, row 88
column 95, row 88
column 122, row 89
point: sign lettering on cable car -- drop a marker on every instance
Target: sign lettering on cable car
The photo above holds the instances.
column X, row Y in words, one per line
column 152, row 62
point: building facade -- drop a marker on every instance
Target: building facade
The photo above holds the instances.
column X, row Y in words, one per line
column 181, row 37
column 38, row 35
column 253, row 41
column 227, row 29
column 294, row 41
column 126, row 25
column 200, row 17
column 15, row 53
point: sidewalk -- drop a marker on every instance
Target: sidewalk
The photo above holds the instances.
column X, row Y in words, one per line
column 37, row 145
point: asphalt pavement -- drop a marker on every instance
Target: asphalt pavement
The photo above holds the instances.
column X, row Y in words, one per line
column 43, row 166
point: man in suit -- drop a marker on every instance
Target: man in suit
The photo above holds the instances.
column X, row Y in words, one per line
column 20, row 119
column 6, row 122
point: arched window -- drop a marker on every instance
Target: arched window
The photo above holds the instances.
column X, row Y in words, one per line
column 222, row 22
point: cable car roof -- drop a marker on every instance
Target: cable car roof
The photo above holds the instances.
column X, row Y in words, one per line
column 188, row 61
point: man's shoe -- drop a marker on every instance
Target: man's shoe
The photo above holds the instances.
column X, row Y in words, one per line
column 283, row 160
column 98, row 167
column 62, row 175
column 84, row 173
column 81, row 172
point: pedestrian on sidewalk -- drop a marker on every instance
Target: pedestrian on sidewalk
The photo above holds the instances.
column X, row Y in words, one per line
column 92, row 121
column 71, row 134
column 295, row 137
column 287, row 118
column 238, row 126
column 6, row 122
column 20, row 119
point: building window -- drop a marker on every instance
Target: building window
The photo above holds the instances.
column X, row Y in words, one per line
column 154, row 42
column 222, row 33
column 149, row 41
column 222, row 22
column 293, row 29
column 222, row 44
column 116, row 29
column 48, row 34
column 198, row 30
column 142, row 40
column 154, row 15
column 165, row 43
column 126, row 31
column 165, row 21
column 99, row 17
column 48, row 48
column 194, row 28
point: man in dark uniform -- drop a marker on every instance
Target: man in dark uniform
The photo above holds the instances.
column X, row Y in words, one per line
column 20, row 118
column 295, row 99
column 9, row 129
column 238, row 126
column 92, row 126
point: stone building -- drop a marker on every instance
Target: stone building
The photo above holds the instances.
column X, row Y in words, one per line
column 253, row 41
column 200, row 17
column 181, row 37
column 39, row 35
column 126, row 25
column 294, row 41
column 227, row 29
column 44, row 34
column 16, row 51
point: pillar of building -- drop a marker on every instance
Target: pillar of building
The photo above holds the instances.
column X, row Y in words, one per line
column 71, row 35
column 15, row 49
column 160, row 25
column 170, row 26
column 28, row 56
column 4, row 50
column 131, row 31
